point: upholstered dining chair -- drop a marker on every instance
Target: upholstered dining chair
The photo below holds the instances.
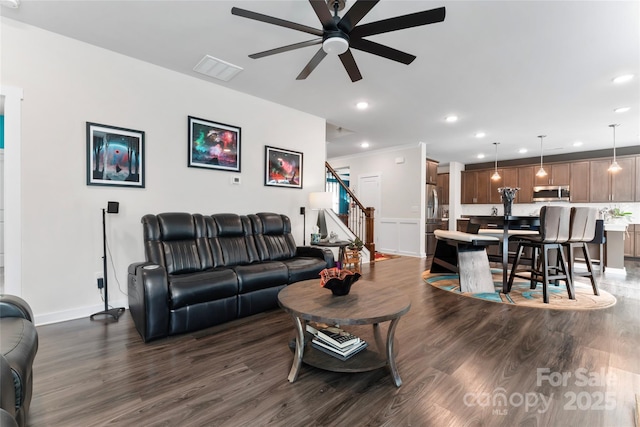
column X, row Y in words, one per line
column 554, row 231
column 582, row 229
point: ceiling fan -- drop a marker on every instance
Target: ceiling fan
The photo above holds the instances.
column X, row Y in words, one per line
column 340, row 35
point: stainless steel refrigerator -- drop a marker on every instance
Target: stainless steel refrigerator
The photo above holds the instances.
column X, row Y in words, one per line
column 433, row 213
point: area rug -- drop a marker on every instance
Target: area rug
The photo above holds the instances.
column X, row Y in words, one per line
column 522, row 295
column 383, row 257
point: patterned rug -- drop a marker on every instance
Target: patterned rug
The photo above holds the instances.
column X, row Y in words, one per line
column 522, row 295
column 383, row 257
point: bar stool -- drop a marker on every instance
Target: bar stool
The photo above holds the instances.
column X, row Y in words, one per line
column 582, row 230
column 554, row 231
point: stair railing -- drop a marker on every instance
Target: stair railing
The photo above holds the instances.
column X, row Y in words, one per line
column 358, row 218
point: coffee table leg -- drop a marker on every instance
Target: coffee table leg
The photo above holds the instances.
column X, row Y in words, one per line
column 390, row 357
column 297, row 358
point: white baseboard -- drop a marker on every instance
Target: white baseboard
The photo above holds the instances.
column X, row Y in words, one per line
column 73, row 314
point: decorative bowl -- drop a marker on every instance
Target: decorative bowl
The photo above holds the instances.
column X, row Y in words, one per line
column 338, row 281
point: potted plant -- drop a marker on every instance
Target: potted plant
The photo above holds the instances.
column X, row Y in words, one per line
column 356, row 244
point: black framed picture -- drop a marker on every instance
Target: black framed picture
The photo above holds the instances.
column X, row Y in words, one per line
column 283, row 168
column 214, row 145
column 115, row 156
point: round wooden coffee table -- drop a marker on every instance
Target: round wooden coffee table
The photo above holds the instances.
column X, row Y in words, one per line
column 368, row 303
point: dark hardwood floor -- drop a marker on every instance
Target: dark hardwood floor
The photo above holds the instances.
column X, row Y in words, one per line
column 463, row 362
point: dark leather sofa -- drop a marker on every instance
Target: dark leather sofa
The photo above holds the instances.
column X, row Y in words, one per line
column 18, row 347
column 202, row 270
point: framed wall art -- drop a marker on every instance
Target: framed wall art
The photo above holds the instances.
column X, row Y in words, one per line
column 115, row 156
column 213, row 145
column 283, row 168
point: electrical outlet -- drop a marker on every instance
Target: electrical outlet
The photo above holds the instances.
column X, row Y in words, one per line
column 100, row 283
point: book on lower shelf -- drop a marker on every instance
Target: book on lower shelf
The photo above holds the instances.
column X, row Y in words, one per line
column 333, row 335
column 335, row 341
column 337, row 353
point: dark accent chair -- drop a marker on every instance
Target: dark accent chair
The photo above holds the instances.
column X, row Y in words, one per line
column 18, row 347
column 554, row 231
column 202, row 271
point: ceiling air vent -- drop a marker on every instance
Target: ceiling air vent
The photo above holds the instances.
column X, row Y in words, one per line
column 217, row 68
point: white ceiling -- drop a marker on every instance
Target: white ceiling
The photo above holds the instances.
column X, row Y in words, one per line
column 513, row 69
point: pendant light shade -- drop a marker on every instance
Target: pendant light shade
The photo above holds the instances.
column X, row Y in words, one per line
column 541, row 172
column 615, row 167
column 496, row 175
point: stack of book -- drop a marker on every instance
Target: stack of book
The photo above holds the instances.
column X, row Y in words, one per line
column 336, row 342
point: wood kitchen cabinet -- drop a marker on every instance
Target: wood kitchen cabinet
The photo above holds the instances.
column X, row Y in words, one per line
column 579, row 182
column 432, row 172
column 508, row 178
column 637, row 241
column 557, row 174
column 637, row 180
column 605, row 186
column 475, row 187
column 630, row 241
column 443, row 184
column 526, row 175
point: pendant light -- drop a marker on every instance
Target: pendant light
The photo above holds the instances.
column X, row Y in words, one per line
column 615, row 167
column 496, row 175
column 541, row 172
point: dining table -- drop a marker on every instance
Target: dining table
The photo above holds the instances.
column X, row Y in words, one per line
column 509, row 225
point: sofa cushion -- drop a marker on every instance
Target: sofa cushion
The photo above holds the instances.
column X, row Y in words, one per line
column 261, row 275
column 234, row 239
column 273, row 237
column 304, row 268
column 194, row 288
column 177, row 241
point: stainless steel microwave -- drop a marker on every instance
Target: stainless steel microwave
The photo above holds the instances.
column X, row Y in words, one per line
column 551, row 193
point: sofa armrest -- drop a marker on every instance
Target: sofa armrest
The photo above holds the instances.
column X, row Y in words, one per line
column 7, row 388
column 317, row 252
column 149, row 300
column 13, row 306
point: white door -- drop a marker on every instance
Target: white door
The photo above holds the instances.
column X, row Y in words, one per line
column 369, row 195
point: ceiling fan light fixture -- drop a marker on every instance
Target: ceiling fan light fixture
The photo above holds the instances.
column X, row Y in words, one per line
column 335, row 45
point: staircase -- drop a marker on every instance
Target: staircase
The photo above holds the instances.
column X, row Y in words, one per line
column 357, row 218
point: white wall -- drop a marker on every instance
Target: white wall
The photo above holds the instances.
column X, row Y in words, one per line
column 67, row 83
column 401, row 216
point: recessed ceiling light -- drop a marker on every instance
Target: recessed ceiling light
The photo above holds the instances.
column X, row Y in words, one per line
column 480, row 134
column 522, row 150
column 451, row 119
column 362, row 105
column 577, row 144
column 364, row 145
column 481, row 156
column 621, row 110
column 623, row 79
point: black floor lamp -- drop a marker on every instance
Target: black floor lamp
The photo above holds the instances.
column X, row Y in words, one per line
column 112, row 207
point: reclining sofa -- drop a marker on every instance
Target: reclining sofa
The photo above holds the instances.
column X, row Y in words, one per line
column 201, row 270
column 18, row 347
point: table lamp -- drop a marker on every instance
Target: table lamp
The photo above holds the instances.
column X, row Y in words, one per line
column 320, row 201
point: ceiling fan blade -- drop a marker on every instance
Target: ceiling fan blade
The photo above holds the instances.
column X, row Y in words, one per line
column 355, row 14
column 400, row 22
column 285, row 48
column 275, row 21
column 322, row 11
column 350, row 65
column 319, row 56
column 381, row 50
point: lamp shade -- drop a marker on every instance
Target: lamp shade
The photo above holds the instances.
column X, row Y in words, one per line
column 320, row 200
